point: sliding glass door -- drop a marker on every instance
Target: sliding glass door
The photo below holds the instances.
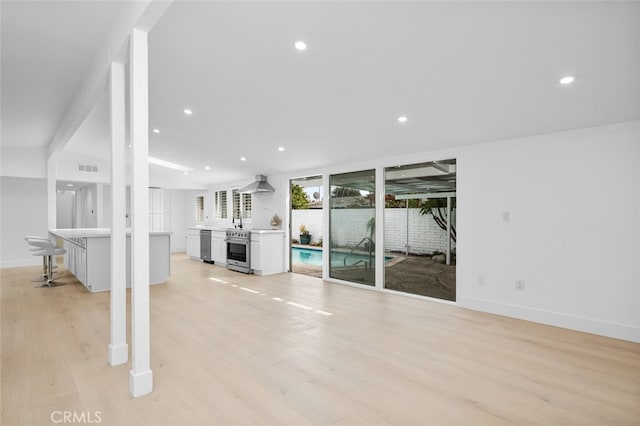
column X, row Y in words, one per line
column 352, row 227
column 420, row 229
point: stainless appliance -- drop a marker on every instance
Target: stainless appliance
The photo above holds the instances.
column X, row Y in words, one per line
column 259, row 186
column 205, row 245
column 239, row 250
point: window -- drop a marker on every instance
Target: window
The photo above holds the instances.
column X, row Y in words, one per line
column 221, row 204
column 200, row 208
column 246, row 205
column 241, row 203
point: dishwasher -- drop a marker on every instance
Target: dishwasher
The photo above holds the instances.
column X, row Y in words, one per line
column 205, row 245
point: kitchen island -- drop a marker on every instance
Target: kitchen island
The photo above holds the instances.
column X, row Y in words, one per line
column 88, row 256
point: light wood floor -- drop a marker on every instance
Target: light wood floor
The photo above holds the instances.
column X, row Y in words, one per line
column 235, row 349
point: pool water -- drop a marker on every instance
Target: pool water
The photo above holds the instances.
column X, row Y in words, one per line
column 313, row 257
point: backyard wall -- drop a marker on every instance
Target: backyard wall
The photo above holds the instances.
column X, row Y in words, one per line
column 425, row 236
column 312, row 219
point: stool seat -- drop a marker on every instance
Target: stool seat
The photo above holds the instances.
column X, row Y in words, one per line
column 40, row 246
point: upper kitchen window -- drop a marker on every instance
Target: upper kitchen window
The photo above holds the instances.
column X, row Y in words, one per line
column 200, row 208
column 221, row 204
column 241, row 204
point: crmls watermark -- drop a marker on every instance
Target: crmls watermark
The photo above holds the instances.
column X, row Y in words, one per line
column 83, row 417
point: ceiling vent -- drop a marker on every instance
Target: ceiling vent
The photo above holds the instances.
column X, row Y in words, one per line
column 87, row 168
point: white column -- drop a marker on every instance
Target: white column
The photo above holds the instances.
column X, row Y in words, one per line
column 51, row 192
column 379, row 221
column 140, row 376
column 118, row 348
column 326, row 230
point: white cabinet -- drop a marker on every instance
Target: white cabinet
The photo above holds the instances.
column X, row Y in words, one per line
column 218, row 247
column 88, row 256
column 75, row 259
column 267, row 252
column 156, row 213
column 255, row 253
column 193, row 242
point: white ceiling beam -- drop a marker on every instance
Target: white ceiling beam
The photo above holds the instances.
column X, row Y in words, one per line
column 138, row 14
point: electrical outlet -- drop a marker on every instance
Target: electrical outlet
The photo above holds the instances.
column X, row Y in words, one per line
column 506, row 216
column 520, row 285
column 480, row 279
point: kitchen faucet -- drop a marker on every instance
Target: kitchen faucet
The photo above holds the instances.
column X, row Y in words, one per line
column 234, row 220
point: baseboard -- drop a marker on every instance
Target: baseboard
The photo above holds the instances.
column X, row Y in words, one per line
column 572, row 322
column 21, row 262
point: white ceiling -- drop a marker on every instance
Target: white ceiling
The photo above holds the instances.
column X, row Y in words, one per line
column 462, row 73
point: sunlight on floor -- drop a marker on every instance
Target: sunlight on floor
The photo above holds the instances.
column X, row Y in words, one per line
column 276, row 299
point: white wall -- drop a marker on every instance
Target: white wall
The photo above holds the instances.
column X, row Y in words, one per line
column 67, row 168
column 573, row 235
column 267, row 204
column 88, row 206
column 65, row 207
column 23, row 211
column 18, row 161
column 311, row 219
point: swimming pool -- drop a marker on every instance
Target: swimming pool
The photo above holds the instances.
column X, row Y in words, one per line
column 307, row 256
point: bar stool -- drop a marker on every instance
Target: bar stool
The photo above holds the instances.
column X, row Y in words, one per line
column 34, row 248
column 45, row 248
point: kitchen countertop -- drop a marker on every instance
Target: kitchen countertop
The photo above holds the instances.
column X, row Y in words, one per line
column 93, row 232
column 252, row 230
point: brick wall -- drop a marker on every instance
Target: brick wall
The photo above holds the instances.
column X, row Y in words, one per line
column 425, row 236
column 350, row 226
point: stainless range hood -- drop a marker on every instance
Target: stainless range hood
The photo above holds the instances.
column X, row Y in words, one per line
column 259, row 186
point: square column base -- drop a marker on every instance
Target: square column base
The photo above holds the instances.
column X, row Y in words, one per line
column 118, row 354
column 140, row 383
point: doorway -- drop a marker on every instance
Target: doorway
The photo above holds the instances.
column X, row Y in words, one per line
column 306, row 225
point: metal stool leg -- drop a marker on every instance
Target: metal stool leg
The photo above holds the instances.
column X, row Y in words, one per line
column 45, row 270
column 50, row 277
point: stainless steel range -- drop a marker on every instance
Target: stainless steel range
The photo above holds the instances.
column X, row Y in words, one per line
column 239, row 250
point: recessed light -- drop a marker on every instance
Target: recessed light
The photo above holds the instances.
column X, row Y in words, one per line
column 188, row 111
column 69, row 184
column 243, row 159
column 300, row 45
column 186, row 173
column 155, row 130
column 281, row 148
column 129, row 145
column 567, row 79
column 207, row 168
column 402, row 119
